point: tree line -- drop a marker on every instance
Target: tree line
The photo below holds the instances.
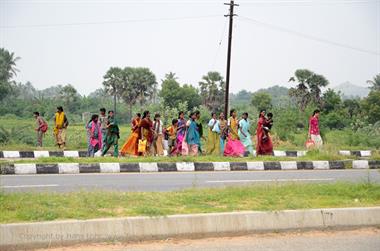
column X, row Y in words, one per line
column 137, row 89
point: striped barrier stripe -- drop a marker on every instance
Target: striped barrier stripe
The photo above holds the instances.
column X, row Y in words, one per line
column 77, row 154
column 77, row 168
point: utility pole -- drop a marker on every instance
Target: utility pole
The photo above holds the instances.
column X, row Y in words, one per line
column 231, row 16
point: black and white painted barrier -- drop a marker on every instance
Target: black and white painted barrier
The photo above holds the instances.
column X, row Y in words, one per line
column 77, row 154
column 77, row 168
column 366, row 153
column 42, row 154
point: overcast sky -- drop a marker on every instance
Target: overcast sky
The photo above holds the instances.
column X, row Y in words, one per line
column 76, row 41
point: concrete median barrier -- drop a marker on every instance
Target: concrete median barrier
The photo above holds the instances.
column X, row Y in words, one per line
column 58, row 233
column 77, row 168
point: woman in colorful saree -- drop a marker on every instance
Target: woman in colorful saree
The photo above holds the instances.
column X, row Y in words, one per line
column 223, row 131
column 158, row 138
column 264, row 143
column 233, row 148
column 244, row 135
column 95, row 136
column 181, row 130
column 314, row 133
column 192, row 136
column 60, row 125
column 130, row 147
column 146, row 131
column 213, row 142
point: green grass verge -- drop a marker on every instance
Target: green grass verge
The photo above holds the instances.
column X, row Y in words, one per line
column 309, row 157
column 29, row 207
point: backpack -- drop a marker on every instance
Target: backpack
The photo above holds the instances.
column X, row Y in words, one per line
column 44, row 127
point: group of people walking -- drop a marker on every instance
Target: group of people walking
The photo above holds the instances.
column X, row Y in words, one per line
column 226, row 137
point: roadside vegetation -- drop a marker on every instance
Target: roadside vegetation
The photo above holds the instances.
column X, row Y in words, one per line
column 347, row 121
column 29, row 207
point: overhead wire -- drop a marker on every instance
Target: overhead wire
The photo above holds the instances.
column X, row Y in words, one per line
column 307, row 36
column 178, row 2
column 222, row 35
column 106, row 22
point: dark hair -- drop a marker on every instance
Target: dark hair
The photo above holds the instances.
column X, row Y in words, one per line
column 94, row 116
column 110, row 112
column 145, row 113
column 174, row 121
column 157, row 115
column 192, row 113
column 246, row 114
column 270, row 115
column 36, row 113
column 261, row 112
column 138, row 115
column 197, row 112
column 232, row 111
column 103, row 110
column 316, row 111
column 213, row 113
column 59, row 108
column 179, row 114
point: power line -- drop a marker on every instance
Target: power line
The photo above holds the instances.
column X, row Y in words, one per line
column 177, row 2
column 310, row 37
column 331, row 2
column 106, row 22
column 219, row 43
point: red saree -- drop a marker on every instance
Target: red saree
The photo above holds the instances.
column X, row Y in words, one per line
column 263, row 146
column 145, row 128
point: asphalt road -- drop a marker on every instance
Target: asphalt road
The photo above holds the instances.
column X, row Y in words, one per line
column 175, row 180
column 356, row 240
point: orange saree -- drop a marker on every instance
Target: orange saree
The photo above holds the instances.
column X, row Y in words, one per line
column 130, row 146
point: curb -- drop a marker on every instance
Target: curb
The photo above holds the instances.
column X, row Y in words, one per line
column 58, row 233
column 362, row 153
column 77, row 168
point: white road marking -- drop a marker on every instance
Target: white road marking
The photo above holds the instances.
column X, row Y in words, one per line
column 271, row 180
column 29, row 186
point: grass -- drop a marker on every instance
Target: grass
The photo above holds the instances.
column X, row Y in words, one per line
column 29, row 207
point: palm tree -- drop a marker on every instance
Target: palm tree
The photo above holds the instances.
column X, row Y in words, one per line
column 375, row 83
column 113, row 81
column 308, row 88
column 8, row 68
column 170, row 76
column 129, row 88
column 7, row 71
column 146, row 84
column 212, row 88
